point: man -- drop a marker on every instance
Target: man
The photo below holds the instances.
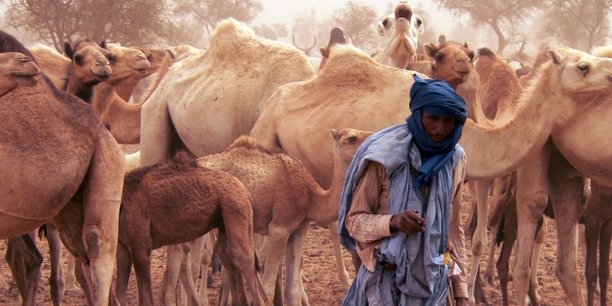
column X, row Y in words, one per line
column 395, row 209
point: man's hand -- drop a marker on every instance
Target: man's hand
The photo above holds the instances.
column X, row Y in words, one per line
column 408, row 221
column 461, row 302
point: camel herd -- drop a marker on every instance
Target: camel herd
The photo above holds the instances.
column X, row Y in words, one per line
column 244, row 144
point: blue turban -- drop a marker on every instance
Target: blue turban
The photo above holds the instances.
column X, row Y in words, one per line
column 438, row 98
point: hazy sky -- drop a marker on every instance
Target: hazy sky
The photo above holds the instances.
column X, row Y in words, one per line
column 286, row 11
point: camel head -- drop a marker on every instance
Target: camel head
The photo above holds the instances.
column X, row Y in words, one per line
column 401, row 30
column 157, row 58
column 127, row 62
column 580, row 72
column 346, row 143
column 16, row 69
column 90, row 62
column 336, row 36
column 453, row 62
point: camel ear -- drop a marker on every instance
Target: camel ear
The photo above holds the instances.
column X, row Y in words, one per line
column 335, row 134
column 430, row 50
column 324, row 51
column 68, row 50
column 103, row 44
column 555, row 56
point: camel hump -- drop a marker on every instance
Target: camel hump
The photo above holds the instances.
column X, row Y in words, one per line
column 248, row 143
column 487, row 52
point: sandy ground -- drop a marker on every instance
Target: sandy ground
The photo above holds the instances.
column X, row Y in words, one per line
column 318, row 268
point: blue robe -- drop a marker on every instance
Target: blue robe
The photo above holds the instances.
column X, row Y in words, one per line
column 420, row 278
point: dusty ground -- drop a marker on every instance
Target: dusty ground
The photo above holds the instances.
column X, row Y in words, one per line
column 319, row 269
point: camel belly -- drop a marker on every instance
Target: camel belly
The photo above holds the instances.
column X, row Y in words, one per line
column 587, row 146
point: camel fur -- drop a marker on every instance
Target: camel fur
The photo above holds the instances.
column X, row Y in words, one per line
column 177, row 201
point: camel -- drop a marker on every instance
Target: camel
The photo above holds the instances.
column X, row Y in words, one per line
column 176, row 201
column 368, row 90
column 54, row 64
column 156, row 57
column 336, row 36
column 238, row 72
column 400, row 31
column 16, row 69
column 73, row 164
column 281, row 216
column 120, row 117
column 90, row 65
column 597, row 219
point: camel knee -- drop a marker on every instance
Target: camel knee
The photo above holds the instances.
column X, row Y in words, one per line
column 538, row 203
column 92, row 239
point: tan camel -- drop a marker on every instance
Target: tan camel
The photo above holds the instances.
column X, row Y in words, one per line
column 54, row 64
column 353, row 87
column 120, row 117
column 177, row 201
column 75, row 167
column 156, row 57
column 90, row 65
column 231, row 80
column 282, row 216
column 400, row 31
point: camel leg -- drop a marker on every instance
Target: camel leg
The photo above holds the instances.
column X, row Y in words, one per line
column 591, row 232
column 503, row 261
column 70, row 278
column 187, row 279
column 25, row 260
column 175, row 256
column 207, row 244
column 502, row 194
column 480, row 235
column 295, row 293
column 141, row 257
column 241, row 252
column 156, row 135
column 343, row 275
column 566, row 196
column 56, row 280
column 534, row 285
column 82, row 279
column 232, row 275
column 102, row 197
column 531, row 197
column 124, row 268
column 275, row 250
column 604, row 259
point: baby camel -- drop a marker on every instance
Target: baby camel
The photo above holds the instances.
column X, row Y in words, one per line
column 177, row 201
column 282, row 216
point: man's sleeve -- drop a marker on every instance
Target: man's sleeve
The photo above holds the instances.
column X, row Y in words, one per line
column 363, row 222
column 456, row 235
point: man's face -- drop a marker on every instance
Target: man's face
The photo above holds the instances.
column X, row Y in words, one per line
column 439, row 128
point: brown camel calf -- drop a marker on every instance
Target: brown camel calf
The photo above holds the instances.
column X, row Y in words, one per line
column 177, row 201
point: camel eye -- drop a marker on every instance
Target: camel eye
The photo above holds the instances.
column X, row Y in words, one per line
column 583, row 68
column 78, row 59
column 352, row 139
